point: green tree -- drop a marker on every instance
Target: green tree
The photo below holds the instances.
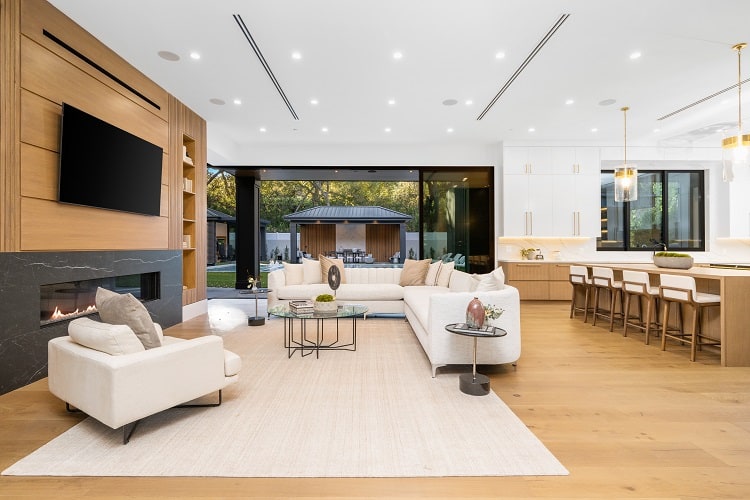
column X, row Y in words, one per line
column 221, row 191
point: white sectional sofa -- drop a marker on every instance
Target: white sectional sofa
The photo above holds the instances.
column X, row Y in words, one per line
column 428, row 308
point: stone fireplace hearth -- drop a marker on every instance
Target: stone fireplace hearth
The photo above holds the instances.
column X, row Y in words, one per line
column 24, row 277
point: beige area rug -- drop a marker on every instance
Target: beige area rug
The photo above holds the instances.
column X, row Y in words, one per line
column 375, row 412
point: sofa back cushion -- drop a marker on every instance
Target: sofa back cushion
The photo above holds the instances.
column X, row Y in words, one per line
column 414, row 272
column 111, row 339
column 369, row 275
column 491, row 281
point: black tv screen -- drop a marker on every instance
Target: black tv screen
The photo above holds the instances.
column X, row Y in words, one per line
column 106, row 167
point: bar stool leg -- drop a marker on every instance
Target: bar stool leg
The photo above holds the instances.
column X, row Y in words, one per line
column 627, row 314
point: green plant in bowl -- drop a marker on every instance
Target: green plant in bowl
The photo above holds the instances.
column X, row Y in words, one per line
column 670, row 254
column 325, row 297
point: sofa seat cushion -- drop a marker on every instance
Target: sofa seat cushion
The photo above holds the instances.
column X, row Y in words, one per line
column 373, row 291
column 300, row 292
column 418, row 300
column 232, row 363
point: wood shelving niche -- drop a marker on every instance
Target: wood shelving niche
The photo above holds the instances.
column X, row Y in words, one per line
column 189, row 217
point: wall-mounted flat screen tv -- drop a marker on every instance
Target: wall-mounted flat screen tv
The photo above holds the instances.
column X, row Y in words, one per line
column 106, row 167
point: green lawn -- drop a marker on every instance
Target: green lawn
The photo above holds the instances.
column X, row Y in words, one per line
column 220, row 280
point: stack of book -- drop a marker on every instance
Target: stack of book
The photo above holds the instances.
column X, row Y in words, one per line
column 301, row 306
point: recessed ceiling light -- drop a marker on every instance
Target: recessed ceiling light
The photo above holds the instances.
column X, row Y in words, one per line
column 387, row 129
column 398, row 55
column 450, row 102
column 391, row 102
column 595, row 129
column 635, row 55
column 449, row 130
column 296, row 56
column 167, row 55
column 532, row 129
column 314, row 102
column 238, row 102
column 656, row 130
column 569, row 102
column 324, row 129
column 262, row 129
column 217, row 101
column 500, row 55
column 607, row 102
column 195, row 55
column 468, row 102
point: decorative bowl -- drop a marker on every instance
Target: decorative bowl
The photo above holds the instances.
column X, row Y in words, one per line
column 325, row 307
column 673, row 262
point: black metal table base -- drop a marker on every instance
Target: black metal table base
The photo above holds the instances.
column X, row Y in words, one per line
column 474, row 385
column 307, row 346
column 256, row 321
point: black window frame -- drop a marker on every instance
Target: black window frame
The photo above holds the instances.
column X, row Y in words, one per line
column 665, row 214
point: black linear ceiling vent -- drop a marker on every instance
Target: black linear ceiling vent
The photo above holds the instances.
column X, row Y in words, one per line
column 701, row 100
column 256, row 49
column 91, row 63
column 532, row 55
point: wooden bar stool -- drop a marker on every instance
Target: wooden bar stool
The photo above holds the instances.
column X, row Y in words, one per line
column 580, row 282
column 636, row 284
column 602, row 278
column 680, row 290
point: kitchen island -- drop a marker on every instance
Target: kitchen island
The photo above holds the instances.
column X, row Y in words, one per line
column 730, row 324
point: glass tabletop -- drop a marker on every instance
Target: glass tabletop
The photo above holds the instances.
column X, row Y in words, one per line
column 343, row 311
column 486, row 331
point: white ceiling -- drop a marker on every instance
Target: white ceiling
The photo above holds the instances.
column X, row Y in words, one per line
column 449, row 49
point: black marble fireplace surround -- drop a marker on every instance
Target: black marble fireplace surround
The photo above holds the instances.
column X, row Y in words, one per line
column 23, row 341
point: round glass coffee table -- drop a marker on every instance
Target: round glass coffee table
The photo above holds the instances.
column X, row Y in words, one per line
column 297, row 339
column 475, row 384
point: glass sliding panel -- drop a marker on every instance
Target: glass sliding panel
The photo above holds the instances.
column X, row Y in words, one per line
column 457, row 222
column 612, row 217
column 685, row 211
column 646, row 214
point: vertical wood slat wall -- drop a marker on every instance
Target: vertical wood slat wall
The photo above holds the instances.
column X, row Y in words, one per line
column 382, row 240
column 317, row 239
column 10, row 105
column 38, row 75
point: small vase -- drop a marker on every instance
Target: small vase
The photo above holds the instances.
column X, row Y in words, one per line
column 475, row 313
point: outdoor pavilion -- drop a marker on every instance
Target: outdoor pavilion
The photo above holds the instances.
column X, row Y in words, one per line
column 384, row 230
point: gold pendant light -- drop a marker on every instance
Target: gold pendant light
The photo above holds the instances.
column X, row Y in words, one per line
column 738, row 144
column 626, row 176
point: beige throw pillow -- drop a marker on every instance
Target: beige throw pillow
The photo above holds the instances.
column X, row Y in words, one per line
column 325, row 265
column 124, row 309
column 294, row 273
column 310, row 272
column 444, row 276
column 414, row 272
column 432, row 273
column 111, row 339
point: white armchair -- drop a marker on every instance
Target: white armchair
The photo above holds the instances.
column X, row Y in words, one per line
column 122, row 387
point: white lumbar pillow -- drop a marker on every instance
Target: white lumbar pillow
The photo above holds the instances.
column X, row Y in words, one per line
column 111, row 339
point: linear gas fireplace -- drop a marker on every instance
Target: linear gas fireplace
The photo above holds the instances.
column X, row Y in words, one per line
column 34, row 284
column 72, row 299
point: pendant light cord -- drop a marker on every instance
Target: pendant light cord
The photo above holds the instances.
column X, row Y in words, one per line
column 739, row 90
column 625, row 128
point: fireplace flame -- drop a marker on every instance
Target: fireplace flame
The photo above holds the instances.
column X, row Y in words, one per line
column 57, row 314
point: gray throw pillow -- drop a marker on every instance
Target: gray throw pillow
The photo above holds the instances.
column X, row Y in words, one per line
column 124, row 309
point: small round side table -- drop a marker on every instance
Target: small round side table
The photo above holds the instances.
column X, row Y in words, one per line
column 256, row 320
column 475, row 384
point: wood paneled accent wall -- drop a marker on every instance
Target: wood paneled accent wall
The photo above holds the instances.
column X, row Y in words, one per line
column 38, row 75
column 317, row 239
column 382, row 240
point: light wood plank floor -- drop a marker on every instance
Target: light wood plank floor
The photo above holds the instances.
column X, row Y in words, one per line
column 628, row 421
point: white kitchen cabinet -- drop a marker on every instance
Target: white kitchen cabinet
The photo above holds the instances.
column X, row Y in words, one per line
column 521, row 160
column 527, row 207
column 551, row 191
